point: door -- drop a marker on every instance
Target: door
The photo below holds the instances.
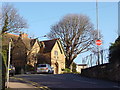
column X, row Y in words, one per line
column 56, row 68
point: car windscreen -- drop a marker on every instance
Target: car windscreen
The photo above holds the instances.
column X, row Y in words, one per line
column 41, row 65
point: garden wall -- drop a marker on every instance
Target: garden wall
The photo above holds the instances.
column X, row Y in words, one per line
column 105, row 71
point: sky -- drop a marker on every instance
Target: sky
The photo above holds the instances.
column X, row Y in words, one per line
column 119, row 19
column 41, row 16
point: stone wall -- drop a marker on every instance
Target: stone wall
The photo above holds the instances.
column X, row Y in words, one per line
column 104, row 71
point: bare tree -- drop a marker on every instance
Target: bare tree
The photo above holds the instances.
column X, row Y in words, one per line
column 76, row 33
column 11, row 21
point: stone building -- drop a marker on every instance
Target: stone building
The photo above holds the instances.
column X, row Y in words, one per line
column 79, row 67
column 23, row 51
column 52, row 52
column 30, row 52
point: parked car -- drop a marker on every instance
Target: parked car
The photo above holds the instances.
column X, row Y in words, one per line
column 11, row 70
column 44, row 68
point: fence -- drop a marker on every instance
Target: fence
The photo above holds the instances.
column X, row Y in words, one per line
column 92, row 59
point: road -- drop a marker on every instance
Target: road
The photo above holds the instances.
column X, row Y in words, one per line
column 66, row 81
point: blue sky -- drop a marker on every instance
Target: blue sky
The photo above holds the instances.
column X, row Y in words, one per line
column 41, row 15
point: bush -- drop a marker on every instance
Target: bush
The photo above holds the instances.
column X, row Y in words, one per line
column 29, row 68
column 66, row 70
column 114, row 51
column 74, row 67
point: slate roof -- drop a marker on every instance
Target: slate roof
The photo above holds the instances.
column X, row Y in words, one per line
column 49, row 44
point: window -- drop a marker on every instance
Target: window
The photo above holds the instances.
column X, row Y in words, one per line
column 42, row 65
column 56, row 53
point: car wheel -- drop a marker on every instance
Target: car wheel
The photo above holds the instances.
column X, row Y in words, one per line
column 52, row 72
column 49, row 72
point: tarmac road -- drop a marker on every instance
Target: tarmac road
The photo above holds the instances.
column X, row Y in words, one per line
column 66, row 81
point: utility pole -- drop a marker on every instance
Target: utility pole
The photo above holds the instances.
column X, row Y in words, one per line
column 9, row 53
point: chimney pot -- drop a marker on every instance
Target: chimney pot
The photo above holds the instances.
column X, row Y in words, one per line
column 23, row 35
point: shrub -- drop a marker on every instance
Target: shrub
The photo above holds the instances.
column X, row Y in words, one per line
column 115, row 51
column 29, row 68
column 66, row 70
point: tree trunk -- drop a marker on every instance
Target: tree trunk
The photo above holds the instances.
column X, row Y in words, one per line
column 3, row 75
column 68, row 63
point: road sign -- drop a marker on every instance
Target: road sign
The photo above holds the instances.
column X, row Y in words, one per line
column 98, row 42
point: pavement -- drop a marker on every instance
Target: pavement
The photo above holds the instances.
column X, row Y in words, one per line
column 23, row 84
column 20, row 85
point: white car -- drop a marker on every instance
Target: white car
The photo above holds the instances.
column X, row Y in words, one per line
column 44, row 68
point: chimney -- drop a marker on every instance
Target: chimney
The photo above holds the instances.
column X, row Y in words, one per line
column 23, row 35
column 42, row 45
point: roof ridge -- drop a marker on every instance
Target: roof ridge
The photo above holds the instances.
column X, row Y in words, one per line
column 12, row 34
column 19, row 36
column 51, row 39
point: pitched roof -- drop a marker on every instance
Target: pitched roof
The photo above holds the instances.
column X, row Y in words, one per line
column 49, row 44
column 27, row 41
column 6, row 37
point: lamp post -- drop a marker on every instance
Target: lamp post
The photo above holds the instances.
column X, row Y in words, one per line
column 8, row 62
